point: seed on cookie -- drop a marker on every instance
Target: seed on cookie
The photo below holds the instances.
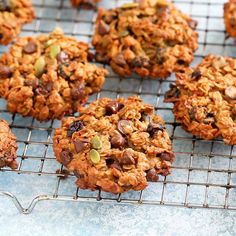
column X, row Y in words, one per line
column 50, row 77
column 114, row 152
column 204, row 99
column 156, row 40
column 8, row 146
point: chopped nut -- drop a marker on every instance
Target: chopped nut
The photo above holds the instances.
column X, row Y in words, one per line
column 117, row 141
column 230, row 92
column 152, row 175
column 113, row 107
column 5, row 72
column 103, row 28
column 30, row 48
column 124, row 126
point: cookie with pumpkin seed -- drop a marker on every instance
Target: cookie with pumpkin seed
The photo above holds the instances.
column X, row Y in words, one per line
column 48, row 76
column 114, row 145
column 8, row 146
column 205, row 99
column 84, row 3
column 230, row 17
column 13, row 14
column 150, row 37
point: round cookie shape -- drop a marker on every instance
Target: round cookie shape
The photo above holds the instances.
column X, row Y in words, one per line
column 230, row 17
column 84, row 3
column 114, row 145
column 205, row 99
column 8, row 146
column 48, row 76
column 150, row 37
column 13, row 14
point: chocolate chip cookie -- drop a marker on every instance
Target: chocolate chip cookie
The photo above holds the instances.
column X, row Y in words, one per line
column 13, row 14
column 84, row 3
column 48, row 76
column 205, row 99
column 8, row 146
column 114, row 145
column 151, row 38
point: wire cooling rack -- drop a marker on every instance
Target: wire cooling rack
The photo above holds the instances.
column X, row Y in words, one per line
column 204, row 173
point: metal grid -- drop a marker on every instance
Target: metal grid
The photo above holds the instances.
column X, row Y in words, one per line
column 204, row 173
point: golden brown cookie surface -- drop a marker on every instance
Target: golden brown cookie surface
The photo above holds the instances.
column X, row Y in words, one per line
column 205, row 99
column 230, row 17
column 13, row 14
column 114, row 145
column 150, row 38
column 48, row 76
column 8, row 146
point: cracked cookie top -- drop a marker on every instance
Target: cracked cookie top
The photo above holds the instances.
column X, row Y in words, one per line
column 205, row 99
column 8, row 146
column 48, row 76
column 150, row 37
column 114, row 145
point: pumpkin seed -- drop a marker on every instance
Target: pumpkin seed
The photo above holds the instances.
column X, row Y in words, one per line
column 94, row 156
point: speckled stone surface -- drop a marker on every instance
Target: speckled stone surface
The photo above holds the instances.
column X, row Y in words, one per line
column 69, row 218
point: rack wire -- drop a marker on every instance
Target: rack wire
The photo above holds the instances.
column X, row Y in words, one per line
column 204, row 173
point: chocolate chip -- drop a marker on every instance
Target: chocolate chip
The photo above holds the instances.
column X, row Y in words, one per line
column 78, row 92
column 122, row 125
column 41, row 90
column 139, row 62
column 62, row 57
column 120, row 60
column 152, row 175
column 4, row 5
column 103, row 28
column 80, row 145
column 181, row 62
column 109, row 161
column 90, row 56
column 66, row 157
column 172, row 94
column 5, row 72
column 166, row 156
column 49, row 86
column 116, row 166
column 74, row 127
column 113, row 107
column 117, row 141
column 153, row 128
column 33, row 83
column 192, row 24
column 1, row 35
column 230, row 92
column 192, row 112
column 30, row 48
column 127, row 158
column 196, row 74
column 160, row 58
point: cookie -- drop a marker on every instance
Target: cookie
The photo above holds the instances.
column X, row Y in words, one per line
column 8, row 146
column 230, row 17
column 114, row 145
column 84, row 3
column 151, row 38
column 48, row 76
column 205, row 99
column 13, row 14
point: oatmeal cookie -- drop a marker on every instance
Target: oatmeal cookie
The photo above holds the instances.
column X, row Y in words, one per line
column 151, row 38
column 230, row 17
column 13, row 14
column 48, row 76
column 84, row 3
column 205, row 99
column 114, row 145
column 8, row 146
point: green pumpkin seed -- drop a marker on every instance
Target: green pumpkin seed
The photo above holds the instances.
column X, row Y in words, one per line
column 39, row 66
column 54, row 50
column 94, row 156
column 49, row 42
column 96, row 142
column 123, row 33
